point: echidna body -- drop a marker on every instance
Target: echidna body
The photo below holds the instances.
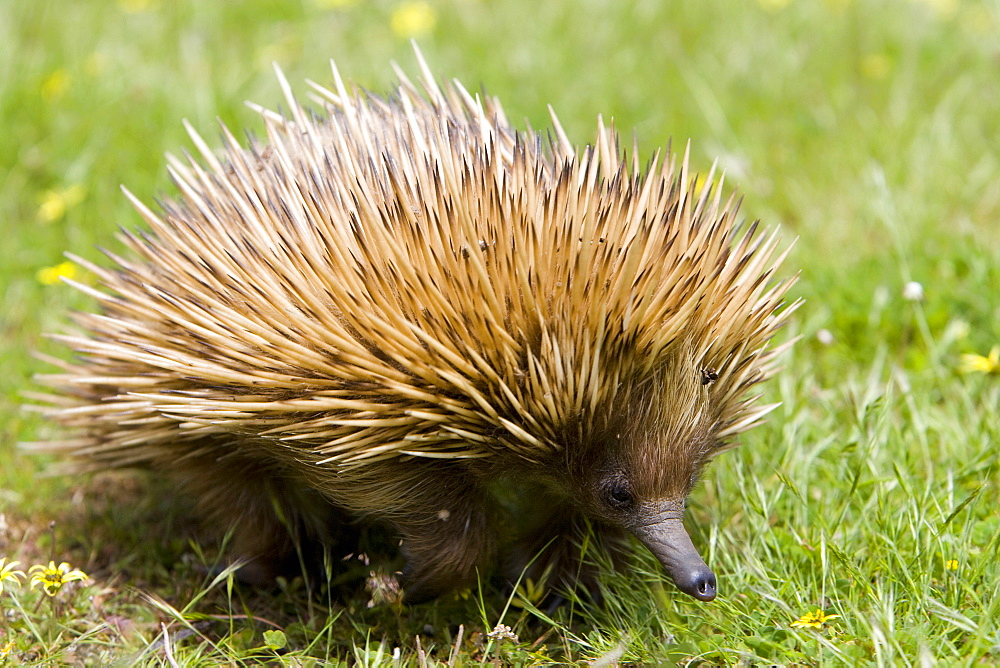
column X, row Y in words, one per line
column 383, row 310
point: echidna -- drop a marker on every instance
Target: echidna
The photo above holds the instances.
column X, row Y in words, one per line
column 391, row 308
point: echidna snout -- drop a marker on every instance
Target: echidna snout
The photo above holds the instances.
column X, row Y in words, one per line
column 666, row 538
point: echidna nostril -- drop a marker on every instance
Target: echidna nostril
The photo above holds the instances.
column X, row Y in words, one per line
column 699, row 583
column 706, row 586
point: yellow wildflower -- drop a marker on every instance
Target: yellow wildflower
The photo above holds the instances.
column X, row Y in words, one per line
column 951, row 565
column 7, row 572
column 528, row 592
column 973, row 363
column 55, row 203
column 6, row 649
column 55, row 85
column 813, row 620
column 53, row 275
column 52, row 577
column 875, row 66
column 135, row 6
column 413, row 19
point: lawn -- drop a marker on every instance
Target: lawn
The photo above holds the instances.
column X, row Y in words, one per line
column 860, row 525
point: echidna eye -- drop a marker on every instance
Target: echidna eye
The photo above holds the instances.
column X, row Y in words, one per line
column 618, row 494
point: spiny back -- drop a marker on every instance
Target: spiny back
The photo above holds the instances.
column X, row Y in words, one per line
column 413, row 276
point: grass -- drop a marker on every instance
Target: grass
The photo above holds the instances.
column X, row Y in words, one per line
column 866, row 129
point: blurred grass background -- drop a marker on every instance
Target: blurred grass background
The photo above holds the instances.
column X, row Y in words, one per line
column 869, row 130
